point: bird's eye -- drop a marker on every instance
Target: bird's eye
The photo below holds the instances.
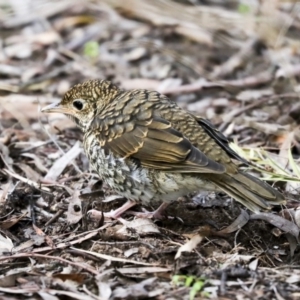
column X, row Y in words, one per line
column 78, row 104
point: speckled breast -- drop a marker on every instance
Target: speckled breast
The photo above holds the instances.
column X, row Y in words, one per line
column 122, row 175
column 137, row 183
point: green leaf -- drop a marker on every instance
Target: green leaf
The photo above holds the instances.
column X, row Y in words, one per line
column 197, row 287
column 205, row 294
column 178, row 279
column 91, row 49
column 189, row 280
column 244, row 8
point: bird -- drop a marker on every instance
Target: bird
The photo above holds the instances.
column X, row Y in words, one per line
column 151, row 151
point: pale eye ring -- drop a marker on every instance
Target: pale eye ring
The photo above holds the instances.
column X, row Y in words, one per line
column 78, row 104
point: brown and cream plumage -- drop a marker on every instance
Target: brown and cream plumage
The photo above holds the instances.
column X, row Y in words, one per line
column 150, row 150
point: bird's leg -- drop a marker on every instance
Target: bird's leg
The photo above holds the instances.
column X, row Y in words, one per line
column 157, row 214
column 115, row 214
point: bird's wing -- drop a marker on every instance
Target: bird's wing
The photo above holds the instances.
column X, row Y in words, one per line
column 155, row 144
column 220, row 139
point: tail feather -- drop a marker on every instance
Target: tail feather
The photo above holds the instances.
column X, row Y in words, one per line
column 255, row 194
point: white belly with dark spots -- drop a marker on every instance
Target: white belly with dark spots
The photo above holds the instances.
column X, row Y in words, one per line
column 143, row 185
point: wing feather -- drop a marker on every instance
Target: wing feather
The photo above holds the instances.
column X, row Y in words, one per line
column 220, row 139
column 159, row 146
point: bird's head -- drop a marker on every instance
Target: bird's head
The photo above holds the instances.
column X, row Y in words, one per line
column 84, row 101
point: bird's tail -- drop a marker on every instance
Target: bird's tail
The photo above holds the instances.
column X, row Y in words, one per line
column 255, row 194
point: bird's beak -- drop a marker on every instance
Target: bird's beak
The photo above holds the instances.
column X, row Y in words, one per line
column 54, row 108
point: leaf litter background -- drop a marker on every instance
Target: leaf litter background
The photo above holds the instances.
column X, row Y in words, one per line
column 236, row 63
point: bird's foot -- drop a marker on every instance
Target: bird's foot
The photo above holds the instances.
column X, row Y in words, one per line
column 114, row 214
column 158, row 214
column 147, row 215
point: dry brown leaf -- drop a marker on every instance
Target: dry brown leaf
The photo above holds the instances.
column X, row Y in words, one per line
column 79, row 278
column 279, row 222
column 6, row 245
column 190, row 245
column 139, row 225
column 58, row 167
column 238, row 223
column 37, row 162
column 10, row 280
column 29, row 172
column 6, row 224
